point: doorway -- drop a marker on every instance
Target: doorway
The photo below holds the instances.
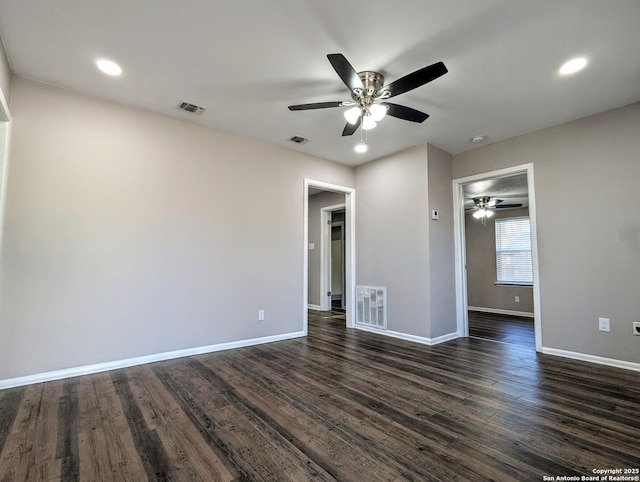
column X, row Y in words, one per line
column 335, row 264
column 329, row 236
column 470, row 189
column 5, row 142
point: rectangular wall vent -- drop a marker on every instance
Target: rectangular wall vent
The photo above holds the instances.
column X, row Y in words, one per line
column 299, row 140
column 193, row 108
column 371, row 303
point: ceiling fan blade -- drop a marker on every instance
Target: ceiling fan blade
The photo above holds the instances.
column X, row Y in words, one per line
column 317, row 105
column 345, row 71
column 415, row 79
column 502, row 206
column 349, row 129
column 405, row 113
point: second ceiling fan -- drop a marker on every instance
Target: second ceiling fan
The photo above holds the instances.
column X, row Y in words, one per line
column 369, row 94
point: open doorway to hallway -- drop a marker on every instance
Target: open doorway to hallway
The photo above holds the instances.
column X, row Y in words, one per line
column 329, row 250
column 326, row 250
column 335, row 260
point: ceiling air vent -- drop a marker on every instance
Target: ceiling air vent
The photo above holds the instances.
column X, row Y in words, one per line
column 194, row 109
column 299, row 140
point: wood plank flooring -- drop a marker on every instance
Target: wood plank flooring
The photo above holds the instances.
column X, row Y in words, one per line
column 338, row 405
column 503, row 328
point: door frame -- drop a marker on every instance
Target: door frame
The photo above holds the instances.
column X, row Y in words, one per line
column 460, row 247
column 5, row 144
column 349, row 252
column 325, row 255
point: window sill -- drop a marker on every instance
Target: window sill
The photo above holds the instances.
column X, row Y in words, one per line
column 507, row 283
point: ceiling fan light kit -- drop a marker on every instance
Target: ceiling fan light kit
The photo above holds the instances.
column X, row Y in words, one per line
column 368, row 96
column 484, row 207
column 352, row 115
column 482, row 213
column 361, row 147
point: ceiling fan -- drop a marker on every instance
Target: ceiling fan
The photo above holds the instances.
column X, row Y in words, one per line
column 369, row 94
column 484, row 206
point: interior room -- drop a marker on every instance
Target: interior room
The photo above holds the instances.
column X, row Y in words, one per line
column 498, row 260
column 319, row 240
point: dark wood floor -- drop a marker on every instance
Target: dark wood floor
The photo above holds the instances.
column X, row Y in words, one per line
column 339, row 405
column 517, row 330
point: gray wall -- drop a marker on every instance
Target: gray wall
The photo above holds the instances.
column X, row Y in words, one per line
column 130, row 233
column 316, row 203
column 481, row 267
column 392, row 237
column 441, row 253
column 586, row 183
column 399, row 248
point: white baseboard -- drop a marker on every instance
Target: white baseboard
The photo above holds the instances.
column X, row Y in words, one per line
column 441, row 339
column 500, row 312
column 129, row 362
column 612, row 362
column 314, row 307
column 405, row 336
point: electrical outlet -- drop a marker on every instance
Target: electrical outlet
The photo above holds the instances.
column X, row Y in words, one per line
column 604, row 324
column 260, row 315
column 636, row 328
column 517, row 299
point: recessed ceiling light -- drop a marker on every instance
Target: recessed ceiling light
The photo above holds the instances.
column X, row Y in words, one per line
column 478, row 139
column 109, row 67
column 360, row 148
column 572, row 66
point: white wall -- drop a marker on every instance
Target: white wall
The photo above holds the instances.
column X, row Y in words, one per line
column 130, row 233
column 586, row 183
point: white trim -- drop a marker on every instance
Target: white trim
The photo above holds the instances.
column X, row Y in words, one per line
column 315, row 307
column 592, row 359
column 537, row 313
column 407, row 337
column 460, row 255
column 130, row 362
column 441, row 339
column 5, row 124
column 460, row 261
column 501, row 312
column 350, row 247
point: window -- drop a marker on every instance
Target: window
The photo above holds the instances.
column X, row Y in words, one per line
column 513, row 251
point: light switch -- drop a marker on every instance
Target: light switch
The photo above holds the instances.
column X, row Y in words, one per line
column 312, row 246
column 435, row 214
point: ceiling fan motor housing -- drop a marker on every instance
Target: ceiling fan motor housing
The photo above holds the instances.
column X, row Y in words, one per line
column 482, row 202
column 372, row 81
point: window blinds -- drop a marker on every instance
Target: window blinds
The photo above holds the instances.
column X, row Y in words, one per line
column 513, row 251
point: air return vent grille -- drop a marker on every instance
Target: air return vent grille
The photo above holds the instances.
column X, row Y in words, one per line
column 299, row 140
column 193, row 108
column 371, row 306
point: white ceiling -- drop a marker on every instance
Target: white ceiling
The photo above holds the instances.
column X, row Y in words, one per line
column 247, row 60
